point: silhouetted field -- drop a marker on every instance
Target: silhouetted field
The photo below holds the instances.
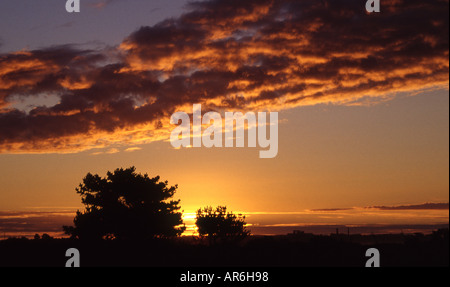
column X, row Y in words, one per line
column 301, row 250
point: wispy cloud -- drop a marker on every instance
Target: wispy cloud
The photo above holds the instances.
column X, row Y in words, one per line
column 66, row 24
column 331, row 209
column 252, row 55
column 425, row 206
column 133, row 149
column 101, row 4
column 30, row 223
column 384, row 219
column 109, row 151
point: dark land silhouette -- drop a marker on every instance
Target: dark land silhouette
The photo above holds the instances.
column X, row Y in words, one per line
column 131, row 219
column 293, row 250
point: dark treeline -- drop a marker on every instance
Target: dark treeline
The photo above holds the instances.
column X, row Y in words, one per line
column 300, row 250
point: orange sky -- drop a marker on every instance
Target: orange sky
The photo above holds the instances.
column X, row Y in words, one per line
column 329, row 157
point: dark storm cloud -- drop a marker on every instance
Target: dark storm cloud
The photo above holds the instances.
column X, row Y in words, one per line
column 225, row 54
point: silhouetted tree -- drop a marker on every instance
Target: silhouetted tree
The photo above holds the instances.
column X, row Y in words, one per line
column 45, row 236
column 220, row 224
column 126, row 205
column 440, row 235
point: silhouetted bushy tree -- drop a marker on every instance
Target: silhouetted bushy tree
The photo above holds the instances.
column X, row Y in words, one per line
column 220, row 224
column 126, row 205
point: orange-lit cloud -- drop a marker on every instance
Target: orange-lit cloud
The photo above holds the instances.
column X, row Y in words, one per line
column 226, row 55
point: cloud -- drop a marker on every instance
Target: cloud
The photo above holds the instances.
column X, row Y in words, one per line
column 66, row 24
column 359, row 220
column 425, row 206
column 343, row 229
column 133, row 149
column 331, row 209
column 379, row 219
column 30, row 223
column 226, row 55
column 109, row 151
column 101, row 4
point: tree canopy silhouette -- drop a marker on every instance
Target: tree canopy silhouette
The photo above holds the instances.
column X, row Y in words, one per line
column 126, row 205
column 220, row 224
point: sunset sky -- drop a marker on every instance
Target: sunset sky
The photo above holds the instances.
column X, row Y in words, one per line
column 363, row 102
